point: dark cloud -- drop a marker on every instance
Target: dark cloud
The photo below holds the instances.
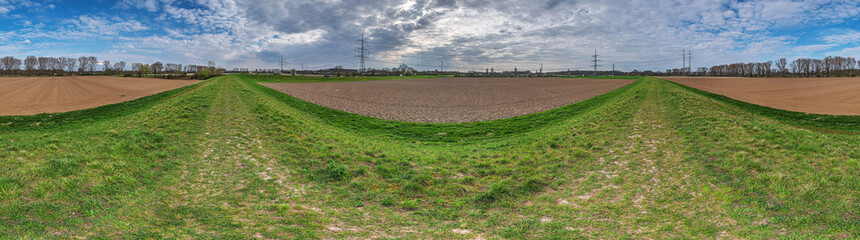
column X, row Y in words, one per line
column 552, row 4
column 503, row 33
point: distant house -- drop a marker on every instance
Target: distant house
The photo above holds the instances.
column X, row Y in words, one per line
column 517, row 73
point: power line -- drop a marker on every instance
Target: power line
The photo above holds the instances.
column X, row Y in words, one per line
column 690, row 61
column 282, row 65
column 363, row 53
column 595, row 62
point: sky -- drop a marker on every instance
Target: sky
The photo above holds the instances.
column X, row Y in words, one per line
column 458, row 35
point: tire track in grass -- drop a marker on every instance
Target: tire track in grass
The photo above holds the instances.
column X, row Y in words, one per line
column 233, row 188
column 779, row 181
column 639, row 185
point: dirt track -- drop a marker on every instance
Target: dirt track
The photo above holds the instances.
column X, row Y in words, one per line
column 34, row 95
column 446, row 100
column 835, row 96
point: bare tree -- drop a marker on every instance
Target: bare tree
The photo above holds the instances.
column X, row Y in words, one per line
column 190, row 68
column 107, row 66
column 70, row 65
column 54, row 65
column 92, row 61
column 136, row 67
column 702, row 71
column 10, row 64
column 82, row 64
column 157, row 67
column 780, row 66
column 30, row 64
column 120, row 66
column 42, row 64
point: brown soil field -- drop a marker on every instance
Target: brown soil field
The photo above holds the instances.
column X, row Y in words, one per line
column 448, row 100
column 34, row 95
column 834, row 96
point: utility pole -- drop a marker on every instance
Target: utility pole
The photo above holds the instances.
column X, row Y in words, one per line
column 595, row 62
column 362, row 53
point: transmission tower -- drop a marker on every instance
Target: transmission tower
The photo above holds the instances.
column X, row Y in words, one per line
column 362, row 53
column 690, row 61
column 595, row 61
column 683, row 61
column 282, row 66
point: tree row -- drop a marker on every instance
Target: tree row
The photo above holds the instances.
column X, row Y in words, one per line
column 35, row 66
column 802, row 67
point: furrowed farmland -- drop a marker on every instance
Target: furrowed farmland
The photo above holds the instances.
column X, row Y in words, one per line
column 273, row 157
column 442, row 100
column 33, row 95
column 836, row 96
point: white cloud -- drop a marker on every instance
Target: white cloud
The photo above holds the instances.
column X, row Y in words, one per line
column 86, row 26
column 814, row 48
column 467, row 34
column 849, row 37
column 149, row 5
column 846, row 52
column 7, row 6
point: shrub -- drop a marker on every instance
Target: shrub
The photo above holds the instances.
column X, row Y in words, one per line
column 335, row 172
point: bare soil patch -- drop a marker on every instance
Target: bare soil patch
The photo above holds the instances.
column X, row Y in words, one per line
column 34, row 95
column 834, row 96
column 448, row 100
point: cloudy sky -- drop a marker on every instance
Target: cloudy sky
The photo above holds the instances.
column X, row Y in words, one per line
column 464, row 34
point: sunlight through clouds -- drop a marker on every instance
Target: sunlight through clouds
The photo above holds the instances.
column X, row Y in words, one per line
column 633, row 34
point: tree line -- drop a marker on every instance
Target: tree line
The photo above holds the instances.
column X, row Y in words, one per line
column 39, row 66
column 802, row 67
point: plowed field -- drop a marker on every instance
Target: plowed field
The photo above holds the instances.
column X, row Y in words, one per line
column 835, row 96
column 447, row 100
column 34, row 95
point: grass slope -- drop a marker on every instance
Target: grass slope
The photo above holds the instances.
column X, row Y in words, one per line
column 309, row 79
column 447, row 132
column 232, row 160
column 818, row 122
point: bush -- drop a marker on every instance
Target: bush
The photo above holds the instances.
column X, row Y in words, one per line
column 335, row 172
column 497, row 191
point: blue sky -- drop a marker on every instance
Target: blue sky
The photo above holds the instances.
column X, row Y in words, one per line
column 465, row 34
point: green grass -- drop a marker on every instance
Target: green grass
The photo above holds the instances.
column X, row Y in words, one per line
column 819, row 122
column 231, row 159
column 604, row 77
column 307, row 79
column 450, row 132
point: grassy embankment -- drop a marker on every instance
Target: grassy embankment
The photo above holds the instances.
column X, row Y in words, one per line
column 309, row 79
column 231, row 159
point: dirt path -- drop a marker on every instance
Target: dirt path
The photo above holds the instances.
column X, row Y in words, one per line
column 235, row 173
column 835, row 96
column 34, row 95
column 639, row 178
column 446, row 100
